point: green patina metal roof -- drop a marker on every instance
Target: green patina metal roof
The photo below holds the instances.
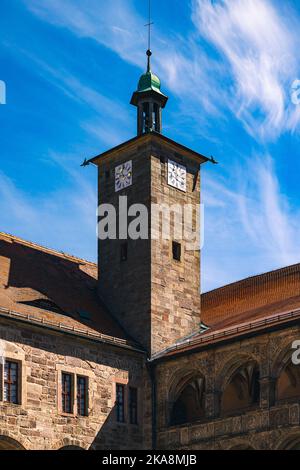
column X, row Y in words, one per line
column 149, row 81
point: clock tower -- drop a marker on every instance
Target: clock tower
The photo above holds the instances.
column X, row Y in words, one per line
column 148, row 221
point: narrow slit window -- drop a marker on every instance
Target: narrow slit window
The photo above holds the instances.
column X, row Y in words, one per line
column 133, row 405
column 145, row 117
column 82, row 395
column 11, row 382
column 67, row 393
column 176, row 250
column 120, row 402
column 124, row 252
column 155, row 117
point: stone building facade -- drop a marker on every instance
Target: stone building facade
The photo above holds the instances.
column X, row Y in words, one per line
column 45, row 344
column 126, row 353
column 270, row 422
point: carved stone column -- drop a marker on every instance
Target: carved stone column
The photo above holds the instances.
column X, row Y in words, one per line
column 213, row 404
column 267, row 392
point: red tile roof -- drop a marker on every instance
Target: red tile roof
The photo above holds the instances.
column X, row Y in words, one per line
column 236, row 331
column 45, row 285
column 251, row 298
column 250, row 305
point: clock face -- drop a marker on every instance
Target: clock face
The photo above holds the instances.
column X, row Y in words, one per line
column 176, row 175
column 123, row 175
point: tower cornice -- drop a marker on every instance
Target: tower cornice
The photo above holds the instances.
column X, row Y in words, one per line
column 145, row 139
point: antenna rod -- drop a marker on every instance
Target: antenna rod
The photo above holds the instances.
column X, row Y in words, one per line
column 149, row 24
column 149, row 30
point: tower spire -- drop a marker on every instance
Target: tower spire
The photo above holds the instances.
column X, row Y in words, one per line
column 149, row 54
column 148, row 98
column 149, row 24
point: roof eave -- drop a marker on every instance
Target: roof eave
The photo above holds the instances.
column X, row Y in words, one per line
column 60, row 327
column 151, row 91
column 200, row 157
column 217, row 337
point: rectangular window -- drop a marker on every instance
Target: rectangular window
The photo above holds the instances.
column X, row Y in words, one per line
column 11, row 382
column 124, row 251
column 176, row 250
column 133, row 405
column 67, row 392
column 120, row 401
column 82, row 395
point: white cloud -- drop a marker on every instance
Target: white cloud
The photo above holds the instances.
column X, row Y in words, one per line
column 260, row 46
column 254, row 229
column 257, row 43
column 110, row 120
column 250, row 227
column 183, row 67
column 114, row 24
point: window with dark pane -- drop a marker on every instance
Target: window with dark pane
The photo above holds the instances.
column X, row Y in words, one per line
column 146, row 119
column 11, row 382
column 124, row 251
column 120, row 402
column 133, row 405
column 67, row 393
column 82, row 394
column 176, row 250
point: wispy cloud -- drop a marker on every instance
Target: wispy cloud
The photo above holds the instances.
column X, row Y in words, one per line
column 252, row 75
column 260, row 46
column 114, row 24
column 234, row 67
column 184, row 67
column 110, row 120
column 253, row 229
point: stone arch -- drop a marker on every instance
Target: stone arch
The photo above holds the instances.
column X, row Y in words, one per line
column 285, row 374
column 71, row 447
column 237, row 443
column 292, row 442
column 230, row 363
column 239, row 386
column 282, row 357
column 242, row 446
column 288, row 383
column 186, row 397
column 69, row 444
column 7, row 443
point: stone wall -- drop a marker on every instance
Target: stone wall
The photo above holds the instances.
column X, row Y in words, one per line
column 175, row 292
column 38, row 422
column 125, row 286
column 156, row 298
column 268, row 425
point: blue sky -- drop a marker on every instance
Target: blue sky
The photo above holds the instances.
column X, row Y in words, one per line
column 70, row 67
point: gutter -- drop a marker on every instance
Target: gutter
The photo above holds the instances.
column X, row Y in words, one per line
column 152, row 374
column 65, row 329
column 228, row 334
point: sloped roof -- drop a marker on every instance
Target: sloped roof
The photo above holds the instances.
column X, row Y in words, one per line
column 257, row 296
column 58, row 289
column 53, row 287
column 245, row 307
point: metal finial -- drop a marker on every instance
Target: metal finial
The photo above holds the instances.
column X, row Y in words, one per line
column 149, row 54
column 149, row 24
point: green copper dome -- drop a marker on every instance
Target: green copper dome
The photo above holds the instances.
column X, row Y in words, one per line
column 149, row 81
column 149, row 87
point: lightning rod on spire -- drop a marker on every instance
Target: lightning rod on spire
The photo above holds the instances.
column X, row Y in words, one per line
column 149, row 24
